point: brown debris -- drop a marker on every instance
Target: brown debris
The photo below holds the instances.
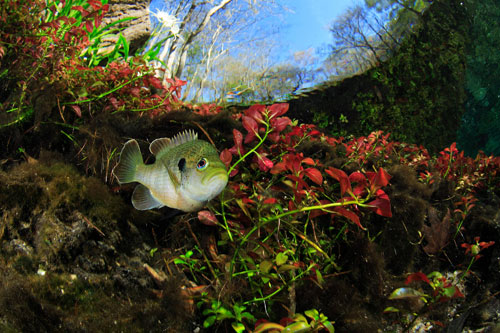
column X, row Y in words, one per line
column 438, row 233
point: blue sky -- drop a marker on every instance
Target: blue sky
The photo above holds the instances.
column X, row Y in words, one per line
column 308, row 23
column 305, row 26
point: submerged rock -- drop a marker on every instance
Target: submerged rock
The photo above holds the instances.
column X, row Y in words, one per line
column 73, row 256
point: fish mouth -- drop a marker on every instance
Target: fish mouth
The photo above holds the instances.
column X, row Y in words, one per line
column 216, row 176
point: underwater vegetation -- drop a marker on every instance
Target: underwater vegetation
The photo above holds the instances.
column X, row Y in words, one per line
column 313, row 232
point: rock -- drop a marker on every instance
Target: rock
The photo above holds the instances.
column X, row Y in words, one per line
column 136, row 31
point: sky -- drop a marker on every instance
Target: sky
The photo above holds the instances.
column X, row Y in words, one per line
column 305, row 25
column 308, row 23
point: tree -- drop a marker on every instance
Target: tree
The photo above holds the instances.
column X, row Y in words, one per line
column 206, row 31
column 361, row 40
column 402, row 14
column 367, row 34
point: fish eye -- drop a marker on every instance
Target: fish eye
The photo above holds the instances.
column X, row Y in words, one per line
column 202, row 164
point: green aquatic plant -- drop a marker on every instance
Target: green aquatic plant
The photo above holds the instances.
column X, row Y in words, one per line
column 298, row 323
column 473, row 251
column 271, row 214
column 217, row 312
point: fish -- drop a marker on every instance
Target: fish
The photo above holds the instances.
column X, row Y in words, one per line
column 186, row 175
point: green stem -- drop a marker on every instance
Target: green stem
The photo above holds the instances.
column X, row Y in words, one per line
column 467, row 270
column 277, row 217
column 261, row 141
column 251, row 150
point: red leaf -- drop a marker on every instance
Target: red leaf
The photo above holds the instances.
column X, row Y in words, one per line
column 238, row 137
column 97, row 21
column 381, row 179
column 293, row 162
column 278, row 168
column 278, row 109
column 265, row 164
column 308, row 161
column 77, row 110
column 155, row 82
column 251, row 126
column 457, row 293
column 357, row 177
column 247, row 200
column 207, row 218
column 238, row 140
column 419, row 276
column 255, row 112
column 270, row 201
column 349, row 215
column 341, row 176
column 89, row 26
column 314, row 133
column 314, row 175
column 279, row 124
column 95, row 4
column 226, row 157
column 382, row 204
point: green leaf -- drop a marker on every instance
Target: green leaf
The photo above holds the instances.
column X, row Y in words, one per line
column 390, row 309
column 313, row 314
column 284, row 268
column 248, row 316
column 238, row 327
column 179, row 261
column 265, row 266
column 297, row 327
column 281, row 258
column 299, row 317
column 267, row 327
column 209, row 321
column 224, row 313
column 405, row 293
column 319, row 277
column 329, row 326
column 449, row 292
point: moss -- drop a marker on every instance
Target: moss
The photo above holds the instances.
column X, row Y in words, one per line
column 25, row 265
column 24, row 311
column 400, row 238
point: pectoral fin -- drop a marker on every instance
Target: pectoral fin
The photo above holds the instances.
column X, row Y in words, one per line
column 142, row 199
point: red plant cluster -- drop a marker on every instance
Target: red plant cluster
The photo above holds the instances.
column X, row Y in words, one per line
column 442, row 289
column 474, row 249
column 468, row 173
column 57, row 41
column 48, row 57
column 204, row 109
column 302, row 181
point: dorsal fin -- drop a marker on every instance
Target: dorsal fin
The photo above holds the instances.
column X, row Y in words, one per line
column 160, row 146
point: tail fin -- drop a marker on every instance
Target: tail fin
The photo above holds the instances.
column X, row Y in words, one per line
column 130, row 159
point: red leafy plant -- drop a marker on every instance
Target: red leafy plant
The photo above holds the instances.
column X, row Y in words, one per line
column 277, row 196
column 473, row 251
column 442, row 289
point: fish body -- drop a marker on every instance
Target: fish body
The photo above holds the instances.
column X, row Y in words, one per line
column 186, row 175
